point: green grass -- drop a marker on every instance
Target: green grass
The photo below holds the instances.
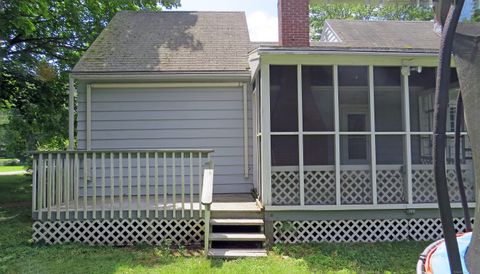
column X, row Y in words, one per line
column 19, row 255
column 12, row 168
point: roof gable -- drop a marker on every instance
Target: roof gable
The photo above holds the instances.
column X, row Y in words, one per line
column 169, row 41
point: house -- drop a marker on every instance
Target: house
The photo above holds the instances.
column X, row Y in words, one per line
column 303, row 141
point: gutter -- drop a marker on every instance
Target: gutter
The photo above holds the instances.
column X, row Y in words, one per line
column 343, row 51
column 241, row 76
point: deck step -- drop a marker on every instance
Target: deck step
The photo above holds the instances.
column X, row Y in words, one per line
column 237, row 237
column 232, row 253
column 236, row 222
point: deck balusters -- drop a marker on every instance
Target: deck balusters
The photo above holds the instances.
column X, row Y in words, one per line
column 66, row 197
column 120, row 176
column 103, row 184
column 165, row 189
column 112, row 184
column 76, row 184
column 58, row 186
column 174, row 185
column 129, row 163
column 94, row 179
column 156, row 184
column 191, row 184
column 182, row 171
column 66, row 184
column 147, row 186
column 85, row 181
column 200, row 188
column 49, row 187
column 41, row 182
column 139, row 186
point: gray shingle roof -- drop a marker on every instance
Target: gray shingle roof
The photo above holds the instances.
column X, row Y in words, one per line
column 375, row 36
column 400, row 35
column 170, row 42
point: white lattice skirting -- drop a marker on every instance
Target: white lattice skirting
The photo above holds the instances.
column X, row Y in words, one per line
column 360, row 230
column 119, row 232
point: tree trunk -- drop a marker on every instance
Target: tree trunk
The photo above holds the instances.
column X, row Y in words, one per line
column 467, row 57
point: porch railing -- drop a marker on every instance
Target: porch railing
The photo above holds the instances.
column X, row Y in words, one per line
column 79, row 185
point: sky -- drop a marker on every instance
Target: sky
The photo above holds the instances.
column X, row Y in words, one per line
column 261, row 14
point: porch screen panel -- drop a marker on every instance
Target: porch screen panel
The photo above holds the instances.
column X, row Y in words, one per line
column 388, row 99
column 283, row 99
column 423, row 180
column 355, row 171
column 285, row 171
column 391, row 179
column 318, row 135
column 319, row 169
column 317, row 97
column 355, row 142
column 422, row 96
column 422, row 99
column 284, row 140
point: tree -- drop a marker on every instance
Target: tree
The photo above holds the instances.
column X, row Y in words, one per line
column 321, row 12
column 40, row 41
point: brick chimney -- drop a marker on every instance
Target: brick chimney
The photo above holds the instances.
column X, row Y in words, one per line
column 293, row 23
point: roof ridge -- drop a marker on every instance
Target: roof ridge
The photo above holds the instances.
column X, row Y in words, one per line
column 176, row 11
column 376, row 21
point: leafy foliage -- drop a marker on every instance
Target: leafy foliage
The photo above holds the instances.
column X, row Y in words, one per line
column 476, row 16
column 40, row 41
column 320, row 13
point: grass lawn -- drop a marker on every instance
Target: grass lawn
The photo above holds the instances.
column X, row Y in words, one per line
column 12, row 168
column 19, row 255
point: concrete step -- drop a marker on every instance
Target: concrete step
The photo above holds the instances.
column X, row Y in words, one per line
column 240, row 222
column 237, row 237
column 232, row 253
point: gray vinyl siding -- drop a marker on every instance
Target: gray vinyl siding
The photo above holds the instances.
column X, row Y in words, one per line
column 154, row 118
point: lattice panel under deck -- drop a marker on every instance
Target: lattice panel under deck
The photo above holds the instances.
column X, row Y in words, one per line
column 390, row 187
column 340, row 231
column 423, row 186
column 285, row 188
column 431, row 229
column 320, row 187
column 119, row 232
column 356, row 187
column 360, row 230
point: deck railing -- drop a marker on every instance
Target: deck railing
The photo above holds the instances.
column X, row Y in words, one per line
column 80, row 185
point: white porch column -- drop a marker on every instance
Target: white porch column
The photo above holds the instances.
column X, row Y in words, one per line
column 373, row 149
column 301, row 174
column 336, row 105
column 407, row 155
column 265, row 139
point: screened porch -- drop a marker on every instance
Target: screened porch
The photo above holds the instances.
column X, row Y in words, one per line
column 343, row 137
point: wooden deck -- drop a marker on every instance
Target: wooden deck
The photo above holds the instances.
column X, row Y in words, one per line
column 145, row 207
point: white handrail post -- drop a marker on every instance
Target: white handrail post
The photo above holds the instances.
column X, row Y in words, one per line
column 207, row 193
